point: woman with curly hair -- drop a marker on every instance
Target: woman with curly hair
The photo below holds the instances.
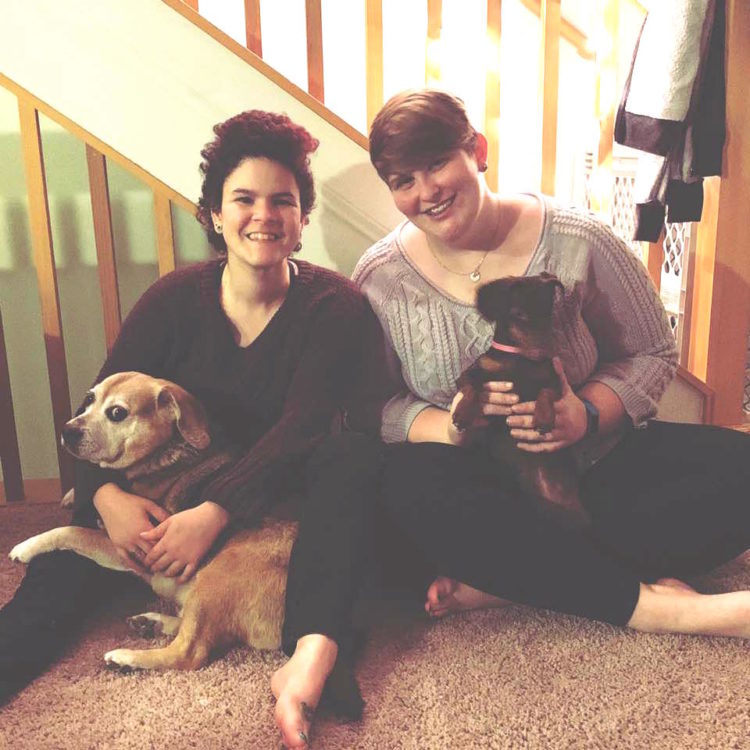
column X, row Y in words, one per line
column 273, row 348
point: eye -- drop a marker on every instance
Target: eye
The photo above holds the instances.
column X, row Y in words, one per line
column 116, row 413
column 401, row 182
column 88, row 399
column 246, row 199
column 286, row 202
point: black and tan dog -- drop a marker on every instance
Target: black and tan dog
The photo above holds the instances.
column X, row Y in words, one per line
column 157, row 434
column 521, row 352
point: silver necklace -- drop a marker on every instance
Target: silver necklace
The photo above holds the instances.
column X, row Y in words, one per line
column 474, row 275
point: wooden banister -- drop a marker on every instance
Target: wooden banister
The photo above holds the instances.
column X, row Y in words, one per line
column 105, row 245
column 253, row 36
column 549, row 69
column 314, row 23
column 492, row 91
column 10, row 459
column 41, row 240
column 374, row 14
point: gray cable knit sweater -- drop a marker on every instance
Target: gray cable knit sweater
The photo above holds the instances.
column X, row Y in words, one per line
column 610, row 325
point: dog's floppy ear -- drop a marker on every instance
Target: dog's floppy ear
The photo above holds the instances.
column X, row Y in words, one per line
column 541, row 294
column 188, row 415
column 493, row 298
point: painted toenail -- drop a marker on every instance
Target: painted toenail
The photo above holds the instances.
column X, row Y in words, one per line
column 303, row 737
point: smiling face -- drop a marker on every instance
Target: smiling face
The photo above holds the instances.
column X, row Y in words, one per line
column 444, row 198
column 260, row 215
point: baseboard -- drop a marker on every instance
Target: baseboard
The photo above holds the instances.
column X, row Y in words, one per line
column 36, row 491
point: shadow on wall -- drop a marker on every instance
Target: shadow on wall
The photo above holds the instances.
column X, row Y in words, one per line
column 77, row 277
column 346, row 229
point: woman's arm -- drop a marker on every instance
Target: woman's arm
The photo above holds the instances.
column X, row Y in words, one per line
column 327, row 373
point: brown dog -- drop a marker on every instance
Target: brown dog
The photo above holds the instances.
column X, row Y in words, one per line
column 157, row 434
column 521, row 352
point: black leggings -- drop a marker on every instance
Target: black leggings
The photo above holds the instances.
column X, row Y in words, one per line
column 670, row 500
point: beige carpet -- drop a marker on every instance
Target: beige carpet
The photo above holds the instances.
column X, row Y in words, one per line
column 514, row 678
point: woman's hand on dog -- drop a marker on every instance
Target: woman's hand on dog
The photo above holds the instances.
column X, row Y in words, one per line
column 496, row 399
column 570, row 420
column 182, row 540
column 125, row 516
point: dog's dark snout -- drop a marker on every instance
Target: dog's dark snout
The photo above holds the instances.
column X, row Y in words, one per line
column 71, row 436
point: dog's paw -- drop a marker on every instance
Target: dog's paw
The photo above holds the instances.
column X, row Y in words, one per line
column 121, row 659
column 24, row 552
column 146, row 626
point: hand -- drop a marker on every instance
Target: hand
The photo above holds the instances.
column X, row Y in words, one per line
column 125, row 516
column 182, row 540
column 570, row 420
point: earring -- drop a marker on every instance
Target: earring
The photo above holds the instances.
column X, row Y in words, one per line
column 218, row 228
column 483, row 167
column 297, row 247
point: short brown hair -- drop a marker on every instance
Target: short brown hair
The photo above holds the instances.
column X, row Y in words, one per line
column 414, row 127
column 253, row 134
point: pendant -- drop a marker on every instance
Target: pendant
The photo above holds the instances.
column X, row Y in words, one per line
column 475, row 276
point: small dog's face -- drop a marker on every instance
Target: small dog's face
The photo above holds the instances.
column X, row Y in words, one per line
column 520, row 306
column 128, row 416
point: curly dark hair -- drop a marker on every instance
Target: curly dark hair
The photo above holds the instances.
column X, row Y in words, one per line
column 416, row 126
column 254, row 133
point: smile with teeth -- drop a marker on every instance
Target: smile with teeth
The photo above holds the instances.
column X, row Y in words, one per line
column 263, row 236
column 440, row 208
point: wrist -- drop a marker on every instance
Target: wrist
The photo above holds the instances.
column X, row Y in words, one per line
column 216, row 513
column 104, row 496
column 592, row 416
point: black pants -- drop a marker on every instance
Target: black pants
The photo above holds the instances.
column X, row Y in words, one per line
column 671, row 499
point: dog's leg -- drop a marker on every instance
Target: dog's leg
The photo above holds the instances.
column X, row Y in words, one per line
column 544, row 410
column 90, row 543
column 189, row 650
column 468, row 408
column 153, row 624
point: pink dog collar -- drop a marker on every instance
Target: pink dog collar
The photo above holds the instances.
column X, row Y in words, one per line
column 536, row 354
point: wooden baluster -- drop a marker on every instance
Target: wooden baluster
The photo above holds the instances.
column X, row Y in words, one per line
column 10, row 459
column 105, row 245
column 374, row 66
column 549, row 69
column 315, row 84
column 252, row 27
column 44, row 260
column 432, row 47
column 492, row 91
column 164, row 233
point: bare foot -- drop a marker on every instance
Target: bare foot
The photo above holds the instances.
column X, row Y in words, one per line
column 298, row 686
column 447, row 595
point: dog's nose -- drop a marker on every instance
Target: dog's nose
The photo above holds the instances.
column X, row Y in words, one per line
column 71, row 436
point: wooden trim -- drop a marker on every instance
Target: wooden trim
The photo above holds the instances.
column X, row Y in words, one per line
column 253, row 35
column 164, row 234
column 273, row 75
column 37, row 491
column 374, row 65
column 549, row 68
column 492, row 91
column 730, row 301
column 653, row 258
column 708, row 393
column 434, row 30
column 192, row 4
column 105, row 245
column 44, row 260
column 10, row 458
column 314, row 22
column 568, row 31
column 155, row 184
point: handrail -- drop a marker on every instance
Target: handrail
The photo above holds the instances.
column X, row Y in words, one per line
column 273, row 75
